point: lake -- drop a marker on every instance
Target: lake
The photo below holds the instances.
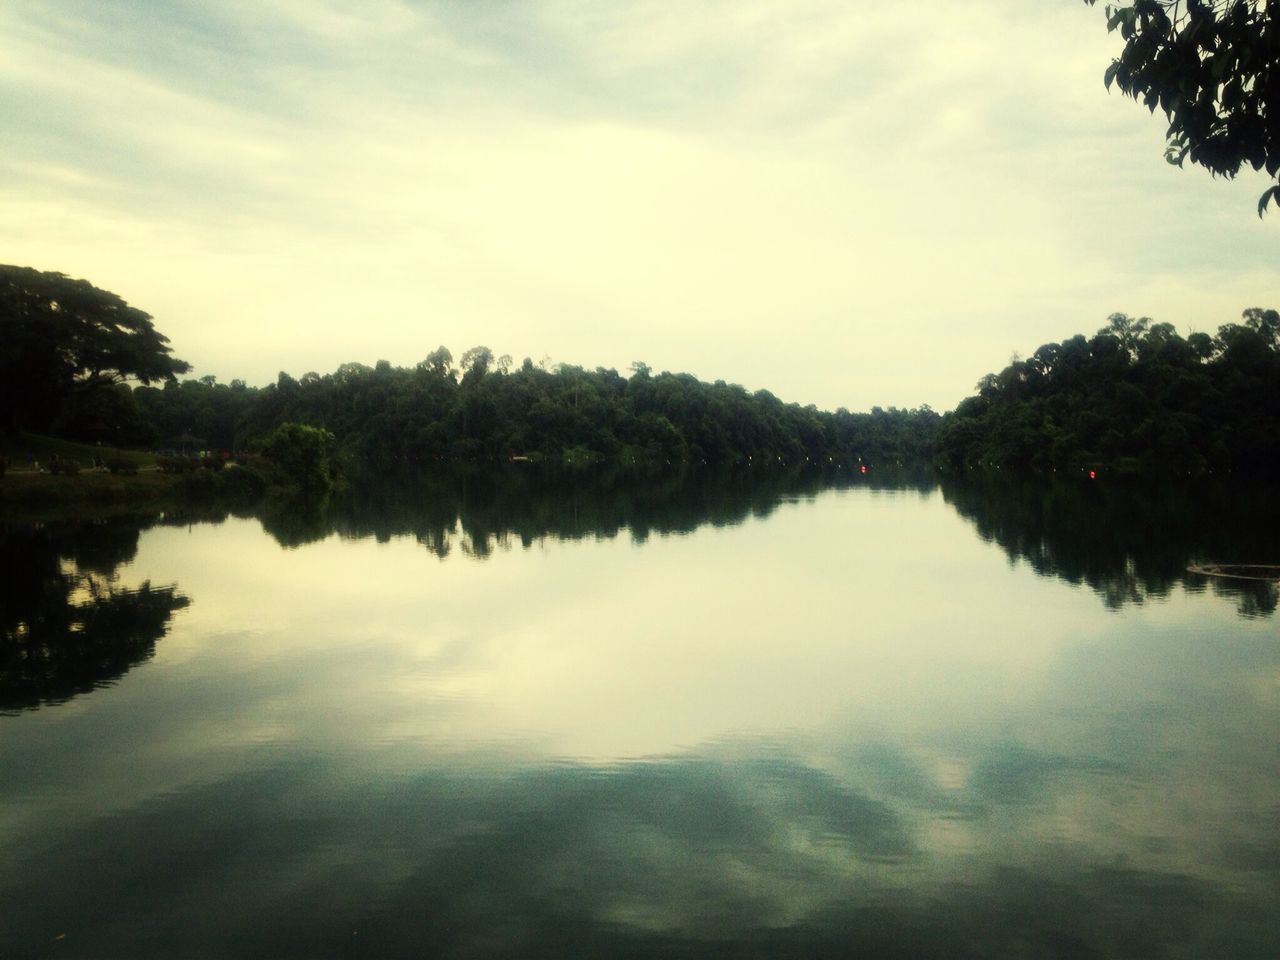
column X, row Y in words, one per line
column 480, row 716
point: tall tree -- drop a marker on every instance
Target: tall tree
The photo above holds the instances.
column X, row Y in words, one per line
column 61, row 337
column 1213, row 67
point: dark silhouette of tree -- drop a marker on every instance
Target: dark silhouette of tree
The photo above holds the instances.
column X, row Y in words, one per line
column 1213, row 67
column 62, row 339
column 201, row 408
column 1135, row 396
column 396, row 417
column 301, row 453
column 475, row 364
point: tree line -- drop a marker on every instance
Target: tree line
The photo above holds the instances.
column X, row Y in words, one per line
column 1136, row 396
column 481, row 410
column 80, row 363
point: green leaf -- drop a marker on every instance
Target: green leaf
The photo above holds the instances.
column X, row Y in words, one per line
column 1272, row 193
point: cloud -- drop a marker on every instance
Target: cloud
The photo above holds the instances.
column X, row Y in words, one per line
column 729, row 189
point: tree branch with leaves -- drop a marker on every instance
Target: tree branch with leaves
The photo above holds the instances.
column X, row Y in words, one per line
column 1213, row 68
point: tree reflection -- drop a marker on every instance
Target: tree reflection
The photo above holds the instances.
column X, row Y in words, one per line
column 67, row 626
column 480, row 511
column 1128, row 542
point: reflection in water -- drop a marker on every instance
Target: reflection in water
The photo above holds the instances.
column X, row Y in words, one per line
column 720, row 856
column 480, row 511
column 66, row 624
column 1129, row 542
column 817, row 723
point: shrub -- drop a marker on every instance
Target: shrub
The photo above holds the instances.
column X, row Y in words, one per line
column 198, row 483
column 177, row 464
column 66, row 467
column 301, row 453
column 243, row 483
column 122, row 466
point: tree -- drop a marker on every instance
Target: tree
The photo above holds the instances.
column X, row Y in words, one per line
column 438, row 362
column 1213, row 67
column 475, row 364
column 60, row 338
column 302, row 454
column 1135, row 396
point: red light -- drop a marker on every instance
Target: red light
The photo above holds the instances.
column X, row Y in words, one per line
column 1093, row 474
column 863, row 468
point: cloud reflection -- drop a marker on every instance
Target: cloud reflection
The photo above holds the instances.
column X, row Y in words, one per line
column 757, row 739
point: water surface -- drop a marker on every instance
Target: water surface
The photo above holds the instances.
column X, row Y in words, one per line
column 495, row 718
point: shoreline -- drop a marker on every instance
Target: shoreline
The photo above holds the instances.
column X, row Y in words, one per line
column 30, row 494
column 27, row 493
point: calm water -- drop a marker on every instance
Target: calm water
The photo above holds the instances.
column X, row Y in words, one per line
column 479, row 717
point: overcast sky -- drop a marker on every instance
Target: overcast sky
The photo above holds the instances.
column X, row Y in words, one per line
column 846, row 203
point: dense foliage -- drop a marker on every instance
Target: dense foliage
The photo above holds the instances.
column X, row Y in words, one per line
column 1213, row 68
column 301, row 453
column 483, row 412
column 66, row 348
column 1137, row 395
column 194, row 413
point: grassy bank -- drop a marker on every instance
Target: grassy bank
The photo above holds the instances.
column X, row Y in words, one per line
column 32, row 493
column 29, row 495
column 26, row 449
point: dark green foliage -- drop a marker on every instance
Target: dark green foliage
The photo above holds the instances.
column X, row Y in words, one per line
column 186, row 464
column 64, row 344
column 242, row 484
column 107, row 413
column 202, row 412
column 4, row 465
column 395, row 417
column 64, row 466
column 1213, row 68
column 205, row 483
column 301, row 453
column 1135, row 397
column 122, row 466
column 178, row 464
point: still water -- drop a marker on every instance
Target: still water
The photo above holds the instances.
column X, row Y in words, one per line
column 478, row 718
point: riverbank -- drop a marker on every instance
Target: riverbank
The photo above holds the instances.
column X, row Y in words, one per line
column 35, row 495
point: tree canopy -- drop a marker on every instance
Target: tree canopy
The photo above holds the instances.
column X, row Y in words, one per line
column 1213, row 67
column 62, row 340
column 1135, row 396
column 390, row 415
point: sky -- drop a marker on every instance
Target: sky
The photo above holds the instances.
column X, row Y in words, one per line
column 846, row 204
